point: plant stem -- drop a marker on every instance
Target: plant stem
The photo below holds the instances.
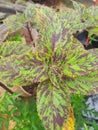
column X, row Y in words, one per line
column 6, row 88
column 9, row 90
column 29, row 31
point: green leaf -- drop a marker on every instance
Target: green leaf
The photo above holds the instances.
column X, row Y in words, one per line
column 52, row 105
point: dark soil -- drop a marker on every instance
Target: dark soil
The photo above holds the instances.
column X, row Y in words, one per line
column 31, row 89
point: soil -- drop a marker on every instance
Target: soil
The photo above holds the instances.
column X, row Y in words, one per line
column 31, row 89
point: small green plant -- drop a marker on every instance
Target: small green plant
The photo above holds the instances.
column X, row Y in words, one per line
column 23, row 113
column 17, row 37
column 58, row 62
column 79, row 107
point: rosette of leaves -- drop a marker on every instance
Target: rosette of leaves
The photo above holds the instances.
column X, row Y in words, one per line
column 79, row 18
column 58, row 63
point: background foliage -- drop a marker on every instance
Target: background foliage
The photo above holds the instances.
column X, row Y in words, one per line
column 79, row 107
column 22, row 112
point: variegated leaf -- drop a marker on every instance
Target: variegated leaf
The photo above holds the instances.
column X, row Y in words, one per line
column 14, row 48
column 15, row 22
column 86, row 85
column 22, row 70
column 79, row 61
column 87, row 13
column 52, row 105
column 94, row 52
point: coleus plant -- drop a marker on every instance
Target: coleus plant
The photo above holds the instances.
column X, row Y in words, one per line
column 59, row 63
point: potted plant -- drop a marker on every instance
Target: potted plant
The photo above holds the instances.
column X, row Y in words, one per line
column 58, row 62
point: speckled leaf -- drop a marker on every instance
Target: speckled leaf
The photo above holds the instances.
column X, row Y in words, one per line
column 94, row 52
column 22, row 70
column 54, row 31
column 14, row 48
column 15, row 22
column 79, row 61
column 87, row 82
column 87, row 14
column 87, row 85
column 52, row 105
